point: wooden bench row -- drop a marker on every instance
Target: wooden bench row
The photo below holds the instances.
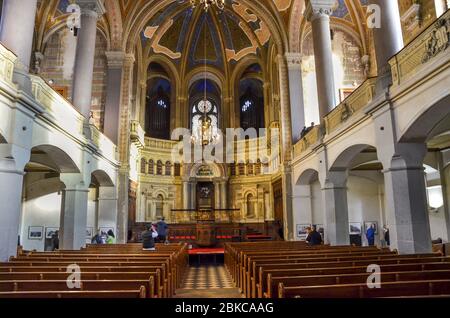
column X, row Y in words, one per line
column 296, row 271
column 105, row 272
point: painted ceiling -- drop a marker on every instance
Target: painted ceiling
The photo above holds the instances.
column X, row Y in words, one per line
column 174, row 30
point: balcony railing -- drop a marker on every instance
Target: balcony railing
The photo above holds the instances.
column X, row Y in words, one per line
column 137, row 134
column 311, row 138
column 7, row 60
column 362, row 96
column 429, row 45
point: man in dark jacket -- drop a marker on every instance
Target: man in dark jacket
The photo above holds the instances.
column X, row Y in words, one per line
column 148, row 238
column 314, row 237
column 162, row 228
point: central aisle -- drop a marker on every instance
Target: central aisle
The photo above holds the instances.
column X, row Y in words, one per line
column 208, row 281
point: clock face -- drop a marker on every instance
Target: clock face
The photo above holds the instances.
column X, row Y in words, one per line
column 204, row 106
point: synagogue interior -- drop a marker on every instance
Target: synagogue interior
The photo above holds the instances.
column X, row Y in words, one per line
column 242, row 131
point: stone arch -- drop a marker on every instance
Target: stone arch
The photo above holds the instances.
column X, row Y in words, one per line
column 307, row 176
column 429, row 122
column 344, row 159
column 55, row 158
column 198, row 74
column 168, row 66
column 102, row 178
column 298, row 7
column 114, row 16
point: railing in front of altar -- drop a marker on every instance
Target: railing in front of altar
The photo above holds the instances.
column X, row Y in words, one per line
column 189, row 216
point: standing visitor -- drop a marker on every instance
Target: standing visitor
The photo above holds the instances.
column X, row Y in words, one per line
column 161, row 228
column 370, row 234
column 386, row 236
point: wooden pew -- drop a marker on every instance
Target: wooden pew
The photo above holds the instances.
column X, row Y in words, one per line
column 361, row 278
column 252, row 275
column 85, row 285
column 153, row 279
column 389, row 289
column 267, row 275
column 356, row 263
column 77, row 294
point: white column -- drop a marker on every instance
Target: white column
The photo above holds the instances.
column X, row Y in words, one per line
column 286, row 177
column 73, row 212
column 388, row 39
column 113, row 91
column 83, row 75
column 16, row 33
column 318, row 13
column 124, row 149
column 11, row 183
column 406, row 203
column 298, row 122
column 107, row 207
column 334, row 196
column 285, row 118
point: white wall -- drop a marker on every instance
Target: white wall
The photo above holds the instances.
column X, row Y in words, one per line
column 317, row 203
column 363, row 199
column 437, row 224
column 45, row 211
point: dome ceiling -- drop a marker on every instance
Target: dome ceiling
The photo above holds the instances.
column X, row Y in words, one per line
column 181, row 33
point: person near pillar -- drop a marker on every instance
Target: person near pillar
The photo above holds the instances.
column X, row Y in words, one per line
column 162, row 228
column 314, row 238
column 387, row 239
column 110, row 238
column 370, row 234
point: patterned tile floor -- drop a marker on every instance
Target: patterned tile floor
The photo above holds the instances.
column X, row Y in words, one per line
column 208, row 282
column 207, row 277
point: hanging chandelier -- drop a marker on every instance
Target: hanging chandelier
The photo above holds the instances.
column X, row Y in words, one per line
column 206, row 4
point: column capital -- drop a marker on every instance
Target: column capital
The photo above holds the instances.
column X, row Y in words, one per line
column 92, row 8
column 129, row 58
column 294, row 60
column 319, row 8
column 115, row 59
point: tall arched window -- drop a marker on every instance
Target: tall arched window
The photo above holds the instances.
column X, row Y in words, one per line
column 157, row 116
column 151, row 167
column 168, row 168
column 159, row 168
column 143, row 166
column 251, row 104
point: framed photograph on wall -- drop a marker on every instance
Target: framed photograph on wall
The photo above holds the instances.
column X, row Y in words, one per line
column 49, row 231
column 35, row 232
column 89, row 233
column 302, row 231
column 368, row 224
column 355, row 228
